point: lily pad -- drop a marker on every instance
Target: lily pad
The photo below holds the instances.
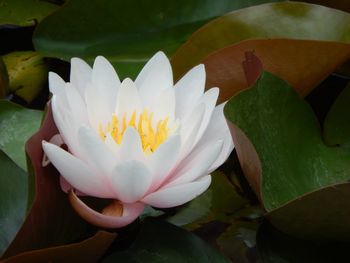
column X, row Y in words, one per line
column 17, row 124
column 24, row 12
column 301, row 63
column 126, row 35
column 4, row 79
column 50, row 212
column 89, row 250
column 160, row 242
column 299, row 179
column 275, row 20
column 14, row 200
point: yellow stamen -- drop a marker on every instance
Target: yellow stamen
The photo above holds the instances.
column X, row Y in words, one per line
column 151, row 137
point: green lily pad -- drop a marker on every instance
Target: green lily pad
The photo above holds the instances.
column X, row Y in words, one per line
column 292, row 162
column 160, row 242
column 24, row 12
column 14, row 200
column 126, row 35
column 17, row 124
column 275, row 20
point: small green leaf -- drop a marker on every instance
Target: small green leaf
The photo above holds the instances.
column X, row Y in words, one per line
column 27, row 73
column 24, row 12
column 14, row 200
column 17, row 124
column 160, row 242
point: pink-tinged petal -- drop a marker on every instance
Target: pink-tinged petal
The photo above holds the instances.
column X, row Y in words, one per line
column 80, row 74
column 97, row 152
column 196, row 165
column 101, row 94
column 218, row 129
column 163, row 160
column 128, row 100
column 189, row 89
column 177, row 195
column 130, row 213
column 131, row 146
column 77, row 173
column 155, row 76
column 66, row 187
column 131, row 180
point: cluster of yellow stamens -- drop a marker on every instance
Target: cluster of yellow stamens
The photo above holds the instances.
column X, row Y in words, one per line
column 151, row 137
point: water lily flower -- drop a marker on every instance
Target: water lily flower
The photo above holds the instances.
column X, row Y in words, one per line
column 142, row 142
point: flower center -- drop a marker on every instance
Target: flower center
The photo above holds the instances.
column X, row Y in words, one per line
column 151, row 137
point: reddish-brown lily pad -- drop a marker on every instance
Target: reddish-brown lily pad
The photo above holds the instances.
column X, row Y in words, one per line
column 51, row 221
column 301, row 63
column 89, row 250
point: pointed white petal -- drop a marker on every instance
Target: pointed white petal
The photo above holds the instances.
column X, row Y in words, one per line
column 164, row 105
column 101, row 94
column 76, row 104
column 131, row 146
column 131, row 181
column 163, row 160
column 80, row 74
column 218, row 130
column 177, row 195
column 128, row 99
column 97, row 152
column 155, row 76
column 196, row 165
column 77, row 173
column 189, row 89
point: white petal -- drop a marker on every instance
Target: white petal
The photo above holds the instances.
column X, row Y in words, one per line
column 163, row 159
column 128, row 99
column 131, row 180
column 77, row 173
column 101, row 95
column 76, row 104
column 131, row 146
column 97, row 152
column 189, row 89
column 218, row 129
column 155, row 76
column 164, row 105
column 197, row 164
column 177, row 195
column 209, row 99
column 80, row 74
column 189, row 129
column 57, row 87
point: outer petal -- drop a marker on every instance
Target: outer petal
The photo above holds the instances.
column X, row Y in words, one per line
column 189, row 89
column 197, row 164
column 131, row 180
column 163, row 159
column 97, row 152
column 218, row 129
column 77, row 173
column 80, row 74
column 177, row 195
column 164, row 106
column 128, row 99
column 155, row 76
column 130, row 213
column 76, row 104
column 57, row 87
